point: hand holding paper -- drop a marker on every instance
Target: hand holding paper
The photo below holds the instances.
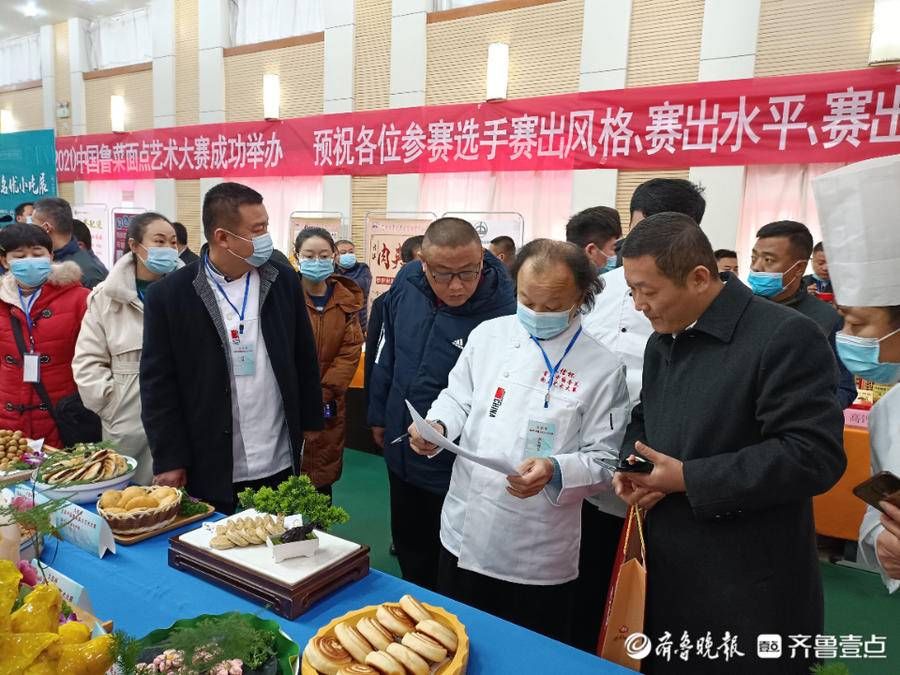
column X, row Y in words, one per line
column 431, row 435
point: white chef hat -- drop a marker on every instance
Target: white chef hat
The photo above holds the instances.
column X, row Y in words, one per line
column 859, row 211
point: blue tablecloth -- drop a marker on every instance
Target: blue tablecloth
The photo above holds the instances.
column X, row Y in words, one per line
column 138, row 590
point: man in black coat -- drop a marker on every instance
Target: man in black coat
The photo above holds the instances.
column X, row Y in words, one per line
column 780, row 254
column 433, row 305
column 184, row 251
column 739, row 418
column 229, row 373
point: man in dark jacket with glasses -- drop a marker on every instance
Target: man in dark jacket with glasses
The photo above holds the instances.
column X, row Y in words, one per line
column 433, row 305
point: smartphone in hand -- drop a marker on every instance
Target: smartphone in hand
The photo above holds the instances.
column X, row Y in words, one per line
column 882, row 487
column 640, row 466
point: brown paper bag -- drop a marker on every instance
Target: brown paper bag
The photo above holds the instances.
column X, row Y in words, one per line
column 624, row 613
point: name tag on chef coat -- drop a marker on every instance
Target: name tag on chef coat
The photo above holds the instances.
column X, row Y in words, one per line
column 539, row 438
column 243, row 358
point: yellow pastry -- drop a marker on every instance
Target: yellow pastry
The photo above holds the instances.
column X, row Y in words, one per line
column 39, row 612
column 357, row 669
column 439, row 632
column 414, row 663
column 114, row 509
column 110, row 498
column 327, row 655
column 379, row 636
column 426, row 647
column 414, row 608
column 132, row 492
column 394, row 619
column 384, row 663
column 353, row 641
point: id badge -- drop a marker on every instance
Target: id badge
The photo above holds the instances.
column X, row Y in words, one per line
column 540, row 438
column 31, row 368
column 243, row 359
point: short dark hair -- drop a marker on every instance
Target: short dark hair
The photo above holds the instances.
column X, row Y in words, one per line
column 137, row 226
column 819, row 248
column 20, row 209
column 725, row 253
column 595, row 225
column 221, row 204
column 410, row 247
column 309, row 233
column 181, row 234
column 450, row 232
column 798, row 235
column 544, row 252
column 675, row 242
column 669, row 194
column 82, row 233
column 58, row 211
column 344, row 241
column 19, row 235
column 505, row 244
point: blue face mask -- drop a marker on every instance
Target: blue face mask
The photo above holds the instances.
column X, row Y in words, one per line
column 316, row 270
column 262, row 249
column 160, row 259
column 347, row 260
column 769, row 284
column 543, row 325
column 862, row 357
column 30, row 272
column 609, row 266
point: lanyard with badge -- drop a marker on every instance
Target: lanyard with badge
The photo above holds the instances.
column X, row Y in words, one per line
column 243, row 352
column 540, row 435
column 31, row 362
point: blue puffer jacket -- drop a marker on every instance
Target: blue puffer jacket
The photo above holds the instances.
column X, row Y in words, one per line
column 420, row 343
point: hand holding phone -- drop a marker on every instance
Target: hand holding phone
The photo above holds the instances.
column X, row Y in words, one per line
column 882, row 487
column 640, row 465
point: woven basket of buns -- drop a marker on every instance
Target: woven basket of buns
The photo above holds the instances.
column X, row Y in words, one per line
column 137, row 510
column 393, row 638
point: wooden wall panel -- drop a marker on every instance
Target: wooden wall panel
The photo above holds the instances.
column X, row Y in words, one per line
column 664, row 47
column 137, row 88
column 27, row 107
column 187, row 42
column 369, row 194
column 62, row 76
column 187, row 197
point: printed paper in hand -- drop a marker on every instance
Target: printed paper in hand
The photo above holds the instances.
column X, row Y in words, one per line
column 430, row 434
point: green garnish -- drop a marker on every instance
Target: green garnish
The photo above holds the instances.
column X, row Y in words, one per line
column 296, row 495
column 229, row 637
column 191, row 506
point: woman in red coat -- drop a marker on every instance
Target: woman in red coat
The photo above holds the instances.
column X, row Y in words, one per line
column 47, row 301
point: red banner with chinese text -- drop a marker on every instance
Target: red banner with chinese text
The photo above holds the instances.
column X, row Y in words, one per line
column 824, row 117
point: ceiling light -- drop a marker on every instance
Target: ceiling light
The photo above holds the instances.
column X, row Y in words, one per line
column 30, row 10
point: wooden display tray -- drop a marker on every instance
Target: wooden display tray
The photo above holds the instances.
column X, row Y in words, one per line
column 180, row 521
column 285, row 600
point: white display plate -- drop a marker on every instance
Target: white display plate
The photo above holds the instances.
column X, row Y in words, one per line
column 89, row 492
column 259, row 558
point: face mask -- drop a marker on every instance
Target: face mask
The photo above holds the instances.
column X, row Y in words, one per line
column 30, row 272
column 160, row 259
column 543, row 325
column 316, row 270
column 347, row 260
column 609, row 266
column 768, row 284
column 861, row 356
column 262, row 248
column 29, row 220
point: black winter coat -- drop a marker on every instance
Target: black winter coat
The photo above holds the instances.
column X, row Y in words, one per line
column 420, row 343
column 745, row 398
column 184, row 373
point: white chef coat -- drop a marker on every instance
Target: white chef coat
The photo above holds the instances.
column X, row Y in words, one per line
column 495, row 391
column 260, row 443
column 621, row 328
column 884, row 436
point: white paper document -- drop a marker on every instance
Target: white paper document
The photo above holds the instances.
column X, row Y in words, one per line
column 432, row 435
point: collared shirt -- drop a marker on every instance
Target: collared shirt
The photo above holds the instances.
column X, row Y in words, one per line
column 622, row 329
column 261, row 444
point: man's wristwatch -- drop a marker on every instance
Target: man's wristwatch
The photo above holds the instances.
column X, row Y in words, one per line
column 443, row 427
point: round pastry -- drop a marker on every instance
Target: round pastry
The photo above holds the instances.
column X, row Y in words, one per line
column 414, row 663
column 414, row 608
column 357, row 669
column 395, row 620
column 353, row 641
column 384, row 663
column 326, row 655
column 426, row 647
column 138, row 509
column 379, row 636
column 439, row 632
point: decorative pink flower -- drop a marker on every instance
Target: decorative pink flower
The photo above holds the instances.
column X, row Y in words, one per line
column 29, row 574
column 22, row 503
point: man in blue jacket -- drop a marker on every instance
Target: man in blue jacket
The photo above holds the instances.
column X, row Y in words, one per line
column 429, row 312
